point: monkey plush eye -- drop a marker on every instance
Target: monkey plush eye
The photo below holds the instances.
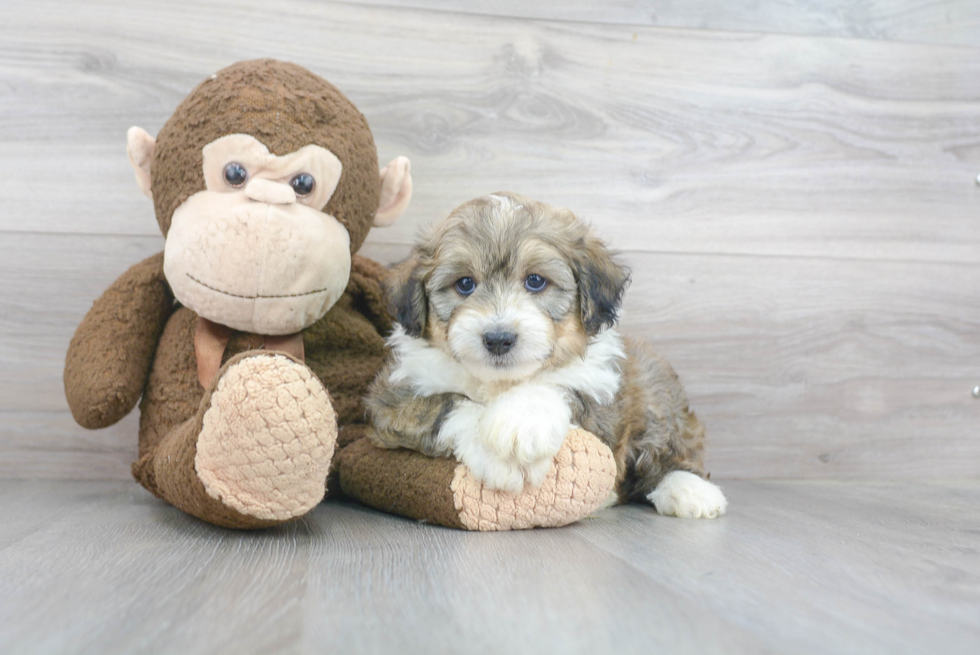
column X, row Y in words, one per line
column 535, row 283
column 465, row 286
column 235, row 174
column 303, row 184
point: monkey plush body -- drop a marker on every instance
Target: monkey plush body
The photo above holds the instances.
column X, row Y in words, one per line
column 251, row 341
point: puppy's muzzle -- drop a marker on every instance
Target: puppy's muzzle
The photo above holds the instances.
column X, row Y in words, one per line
column 499, row 343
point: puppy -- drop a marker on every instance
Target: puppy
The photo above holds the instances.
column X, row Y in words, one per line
column 506, row 338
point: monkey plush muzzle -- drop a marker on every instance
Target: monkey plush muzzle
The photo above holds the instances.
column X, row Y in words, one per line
column 257, row 267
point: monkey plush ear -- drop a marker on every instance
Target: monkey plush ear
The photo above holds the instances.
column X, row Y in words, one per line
column 140, row 147
column 396, row 191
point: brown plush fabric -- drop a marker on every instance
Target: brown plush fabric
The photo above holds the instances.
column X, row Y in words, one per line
column 285, row 107
column 343, row 349
column 443, row 491
column 109, row 357
column 400, row 481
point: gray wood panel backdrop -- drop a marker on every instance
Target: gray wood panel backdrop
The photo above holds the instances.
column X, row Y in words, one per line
column 792, row 183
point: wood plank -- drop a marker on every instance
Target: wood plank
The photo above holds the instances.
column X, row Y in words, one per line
column 380, row 586
column 824, row 567
column 794, row 567
column 935, row 21
column 800, row 367
column 50, row 445
column 820, row 368
column 669, row 140
column 33, row 505
column 141, row 574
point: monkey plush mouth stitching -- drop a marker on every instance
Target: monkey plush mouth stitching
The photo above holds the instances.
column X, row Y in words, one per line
column 236, row 295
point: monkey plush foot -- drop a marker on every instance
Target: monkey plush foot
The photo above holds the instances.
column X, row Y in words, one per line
column 444, row 491
column 257, row 452
column 267, row 439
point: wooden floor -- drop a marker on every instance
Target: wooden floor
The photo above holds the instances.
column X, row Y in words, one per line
column 796, row 567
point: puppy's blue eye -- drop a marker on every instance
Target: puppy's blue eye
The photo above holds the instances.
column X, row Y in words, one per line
column 465, row 286
column 535, row 283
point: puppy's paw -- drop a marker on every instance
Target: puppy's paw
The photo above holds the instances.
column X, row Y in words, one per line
column 687, row 496
column 490, row 469
column 528, row 425
column 537, row 472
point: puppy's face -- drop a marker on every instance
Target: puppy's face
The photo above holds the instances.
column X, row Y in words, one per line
column 508, row 286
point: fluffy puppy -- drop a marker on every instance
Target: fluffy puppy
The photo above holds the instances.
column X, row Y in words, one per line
column 506, row 339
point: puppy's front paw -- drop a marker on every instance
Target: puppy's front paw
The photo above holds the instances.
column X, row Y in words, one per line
column 536, row 472
column 490, row 469
column 527, row 425
column 687, row 496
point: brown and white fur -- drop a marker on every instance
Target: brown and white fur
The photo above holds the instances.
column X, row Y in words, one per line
column 495, row 372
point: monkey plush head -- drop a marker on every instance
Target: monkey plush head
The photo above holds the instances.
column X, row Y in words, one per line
column 265, row 182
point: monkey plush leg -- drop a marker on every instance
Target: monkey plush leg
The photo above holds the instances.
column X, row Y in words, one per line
column 257, row 452
column 443, row 491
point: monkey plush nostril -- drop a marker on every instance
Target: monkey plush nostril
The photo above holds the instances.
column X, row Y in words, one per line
column 274, row 193
column 499, row 343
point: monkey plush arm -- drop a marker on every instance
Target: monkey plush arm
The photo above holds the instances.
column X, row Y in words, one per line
column 110, row 355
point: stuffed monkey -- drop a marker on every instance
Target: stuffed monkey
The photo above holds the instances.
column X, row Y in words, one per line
column 252, row 339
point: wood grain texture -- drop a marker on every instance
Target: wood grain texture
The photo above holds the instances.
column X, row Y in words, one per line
column 800, row 213
column 931, row 21
column 102, row 567
column 682, row 141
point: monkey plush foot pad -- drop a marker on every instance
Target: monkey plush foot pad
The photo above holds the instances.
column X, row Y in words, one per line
column 267, row 439
column 444, row 491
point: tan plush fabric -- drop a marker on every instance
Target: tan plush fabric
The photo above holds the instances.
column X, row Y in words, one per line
column 396, row 191
column 579, row 482
column 266, row 169
column 259, row 258
column 256, row 267
column 268, row 438
column 444, row 491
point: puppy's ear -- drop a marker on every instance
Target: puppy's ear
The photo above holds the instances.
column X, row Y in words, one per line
column 407, row 301
column 601, row 283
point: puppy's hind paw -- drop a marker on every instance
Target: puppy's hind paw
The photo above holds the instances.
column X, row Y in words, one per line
column 687, row 496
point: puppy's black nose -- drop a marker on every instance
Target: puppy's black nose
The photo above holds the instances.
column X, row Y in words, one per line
column 499, row 342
